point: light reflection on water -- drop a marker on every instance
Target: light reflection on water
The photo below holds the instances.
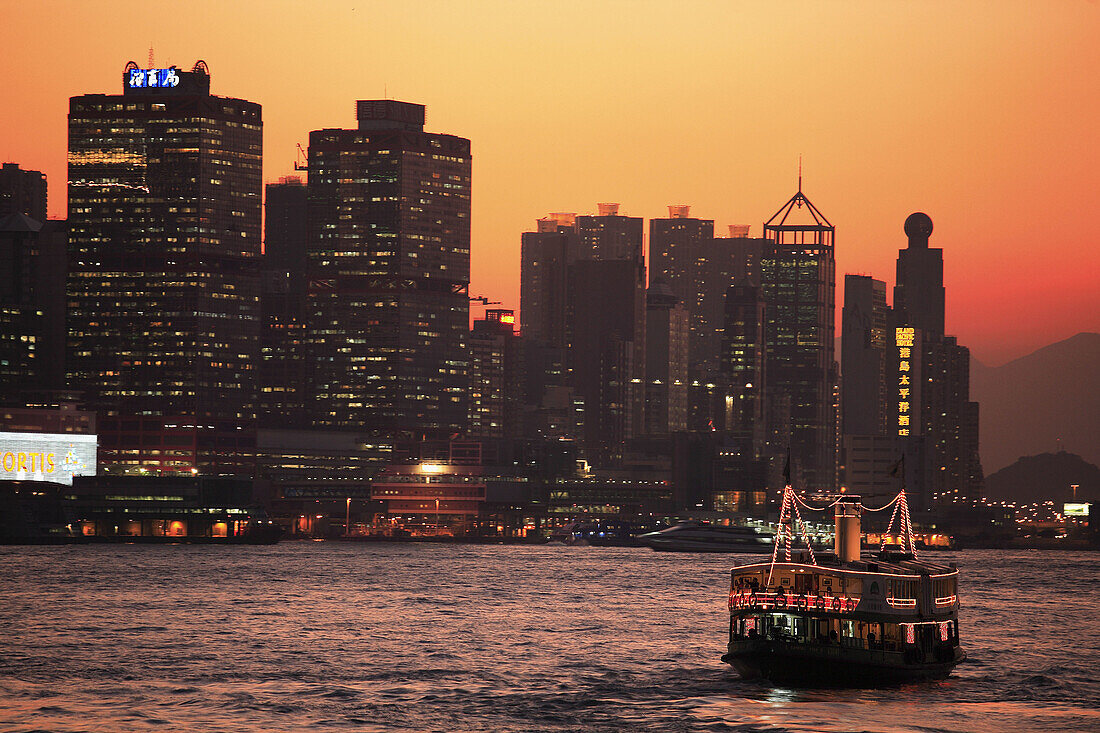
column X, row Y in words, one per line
column 448, row 637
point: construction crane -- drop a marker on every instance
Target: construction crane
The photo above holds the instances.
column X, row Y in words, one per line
column 483, row 300
column 301, row 161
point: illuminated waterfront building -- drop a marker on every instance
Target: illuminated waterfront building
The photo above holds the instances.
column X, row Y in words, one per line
column 798, row 274
column 163, row 287
column 389, row 270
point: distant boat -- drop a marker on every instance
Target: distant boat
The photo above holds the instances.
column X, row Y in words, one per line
column 598, row 533
column 702, row 537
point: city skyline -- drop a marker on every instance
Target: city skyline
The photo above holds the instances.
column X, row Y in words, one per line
column 963, row 113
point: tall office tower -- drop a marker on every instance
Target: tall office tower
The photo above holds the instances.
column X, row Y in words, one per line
column 935, row 421
column 164, row 246
column 496, row 376
column 282, row 370
column 389, row 273
column 744, row 354
column 919, row 294
column 32, row 308
column 666, row 367
column 799, row 280
column 22, row 192
column 864, row 344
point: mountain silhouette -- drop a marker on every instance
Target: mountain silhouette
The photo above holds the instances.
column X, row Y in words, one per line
column 1045, row 477
column 1047, row 400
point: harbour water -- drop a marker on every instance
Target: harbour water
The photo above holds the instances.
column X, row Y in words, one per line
column 326, row 635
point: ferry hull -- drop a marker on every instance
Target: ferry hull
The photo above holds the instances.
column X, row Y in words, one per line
column 829, row 666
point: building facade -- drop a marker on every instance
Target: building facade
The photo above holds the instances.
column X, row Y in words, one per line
column 389, row 272
column 163, row 285
column 32, row 307
column 496, row 376
column 798, row 274
column 22, row 192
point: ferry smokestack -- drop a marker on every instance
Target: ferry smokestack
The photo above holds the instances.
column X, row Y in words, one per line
column 847, row 538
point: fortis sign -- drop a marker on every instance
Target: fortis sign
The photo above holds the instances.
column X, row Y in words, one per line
column 55, row 457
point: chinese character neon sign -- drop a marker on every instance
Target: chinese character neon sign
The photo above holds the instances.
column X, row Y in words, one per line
column 904, row 339
column 152, row 78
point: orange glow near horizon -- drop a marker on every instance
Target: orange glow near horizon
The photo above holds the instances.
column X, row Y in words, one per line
column 981, row 114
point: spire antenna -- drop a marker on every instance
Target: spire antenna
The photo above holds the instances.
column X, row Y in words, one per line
column 800, row 172
column 150, row 55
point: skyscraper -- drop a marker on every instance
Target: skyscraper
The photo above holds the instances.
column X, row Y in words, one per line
column 930, row 408
column 389, row 272
column 919, row 293
column 743, row 364
column 545, row 256
column 666, row 369
column 863, row 349
column 282, row 367
column 798, row 273
column 164, row 246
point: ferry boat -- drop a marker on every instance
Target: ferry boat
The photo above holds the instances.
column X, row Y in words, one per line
column 701, row 537
column 842, row 618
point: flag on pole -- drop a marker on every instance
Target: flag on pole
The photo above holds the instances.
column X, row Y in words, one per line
column 898, row 471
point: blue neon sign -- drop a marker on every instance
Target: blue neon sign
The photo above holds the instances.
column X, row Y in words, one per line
column 152, row 78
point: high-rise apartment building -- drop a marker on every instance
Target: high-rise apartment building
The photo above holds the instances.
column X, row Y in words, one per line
column 164, row 248
column 584, row 324
column 700, row 268
column 389, row 272
column 545, row 256
column 798, row 274
column 22, row 192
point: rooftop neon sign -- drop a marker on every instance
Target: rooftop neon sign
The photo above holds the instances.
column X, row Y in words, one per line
column 152, row 78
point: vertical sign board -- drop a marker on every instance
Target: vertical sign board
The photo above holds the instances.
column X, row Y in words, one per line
column 55, row 457
column 907, row 345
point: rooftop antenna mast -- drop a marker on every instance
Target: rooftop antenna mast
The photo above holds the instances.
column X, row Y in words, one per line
column 800, row 177
column 150, row 56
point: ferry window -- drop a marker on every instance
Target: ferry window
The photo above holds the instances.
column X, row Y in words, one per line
column 874, row 588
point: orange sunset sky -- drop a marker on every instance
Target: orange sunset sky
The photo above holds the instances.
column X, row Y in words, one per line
column 982, row 114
